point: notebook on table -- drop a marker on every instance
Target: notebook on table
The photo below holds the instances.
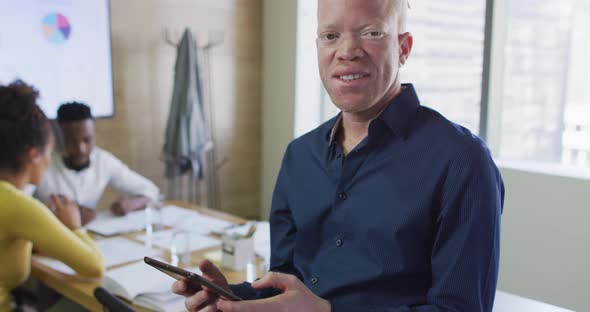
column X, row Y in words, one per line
column 144, row 286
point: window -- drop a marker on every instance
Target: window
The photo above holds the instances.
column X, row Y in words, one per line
column 309, row 93
column 446, row 62
column 545, row 107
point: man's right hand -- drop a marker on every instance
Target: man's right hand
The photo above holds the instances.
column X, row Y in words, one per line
column 87, row 214
column 201, row 299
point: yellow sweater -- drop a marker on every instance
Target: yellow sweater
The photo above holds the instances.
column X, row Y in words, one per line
column 25, row 221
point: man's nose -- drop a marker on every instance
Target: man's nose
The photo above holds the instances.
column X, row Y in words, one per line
column 350, row 49
column 82, row 148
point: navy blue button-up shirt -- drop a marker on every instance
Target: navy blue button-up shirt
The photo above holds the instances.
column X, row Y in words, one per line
column 409, row 220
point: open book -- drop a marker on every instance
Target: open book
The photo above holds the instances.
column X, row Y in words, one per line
column 144, row 286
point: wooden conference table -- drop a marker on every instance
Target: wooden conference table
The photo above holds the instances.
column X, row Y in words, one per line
column 82, row 291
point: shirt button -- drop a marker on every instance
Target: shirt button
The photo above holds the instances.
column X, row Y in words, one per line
column 338, row 242
column 342, row 196
column 314, row 280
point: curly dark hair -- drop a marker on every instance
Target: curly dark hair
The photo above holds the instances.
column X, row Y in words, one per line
column 73, row 111
column 23, row 124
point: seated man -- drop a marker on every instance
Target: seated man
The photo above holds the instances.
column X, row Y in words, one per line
column 83, row 171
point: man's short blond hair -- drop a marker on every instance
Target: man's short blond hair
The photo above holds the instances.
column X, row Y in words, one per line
column 400, row 11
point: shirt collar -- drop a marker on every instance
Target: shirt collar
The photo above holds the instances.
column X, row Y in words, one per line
column 398, row 115
column 335, row 128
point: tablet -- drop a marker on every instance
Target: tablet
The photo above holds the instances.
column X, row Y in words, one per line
column 194, row 279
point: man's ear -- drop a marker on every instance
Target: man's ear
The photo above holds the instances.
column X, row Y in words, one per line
column 406, row 41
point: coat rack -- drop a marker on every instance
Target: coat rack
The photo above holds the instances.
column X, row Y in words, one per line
column 210, row 165
column 217, row 35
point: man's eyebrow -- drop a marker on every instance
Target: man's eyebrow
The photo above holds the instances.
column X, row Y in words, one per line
column 324, row 26
column 361, row 27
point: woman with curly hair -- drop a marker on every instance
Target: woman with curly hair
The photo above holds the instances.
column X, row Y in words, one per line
column 26, row 142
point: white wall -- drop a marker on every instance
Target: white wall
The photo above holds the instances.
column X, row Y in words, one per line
column 545, row 253
column 278, row 93
column 143, row 68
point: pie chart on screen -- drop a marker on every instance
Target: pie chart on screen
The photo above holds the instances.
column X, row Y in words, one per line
column 56, row 28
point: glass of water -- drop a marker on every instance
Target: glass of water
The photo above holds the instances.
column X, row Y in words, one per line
column 154, row 211
column 180, row 251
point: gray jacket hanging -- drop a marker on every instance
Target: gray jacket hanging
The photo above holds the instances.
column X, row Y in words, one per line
column 187, row 134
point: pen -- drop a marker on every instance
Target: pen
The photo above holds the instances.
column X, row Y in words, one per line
column 251, row 231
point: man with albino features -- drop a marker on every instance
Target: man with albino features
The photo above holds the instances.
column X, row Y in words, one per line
column 388, row 206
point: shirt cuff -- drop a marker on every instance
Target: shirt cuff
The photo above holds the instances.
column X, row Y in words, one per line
column 247, row 292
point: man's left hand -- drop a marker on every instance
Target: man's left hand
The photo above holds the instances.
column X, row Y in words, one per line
column 126, row 204
column 295, row 297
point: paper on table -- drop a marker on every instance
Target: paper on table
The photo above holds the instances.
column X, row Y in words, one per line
column 108, row 224
column 118, row 250
column 174, row 214
column 193, row 221
column 196, row 241
column 214, row 256
column 55, row 265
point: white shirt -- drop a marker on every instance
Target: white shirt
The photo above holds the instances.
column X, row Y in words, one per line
column 86, row 187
